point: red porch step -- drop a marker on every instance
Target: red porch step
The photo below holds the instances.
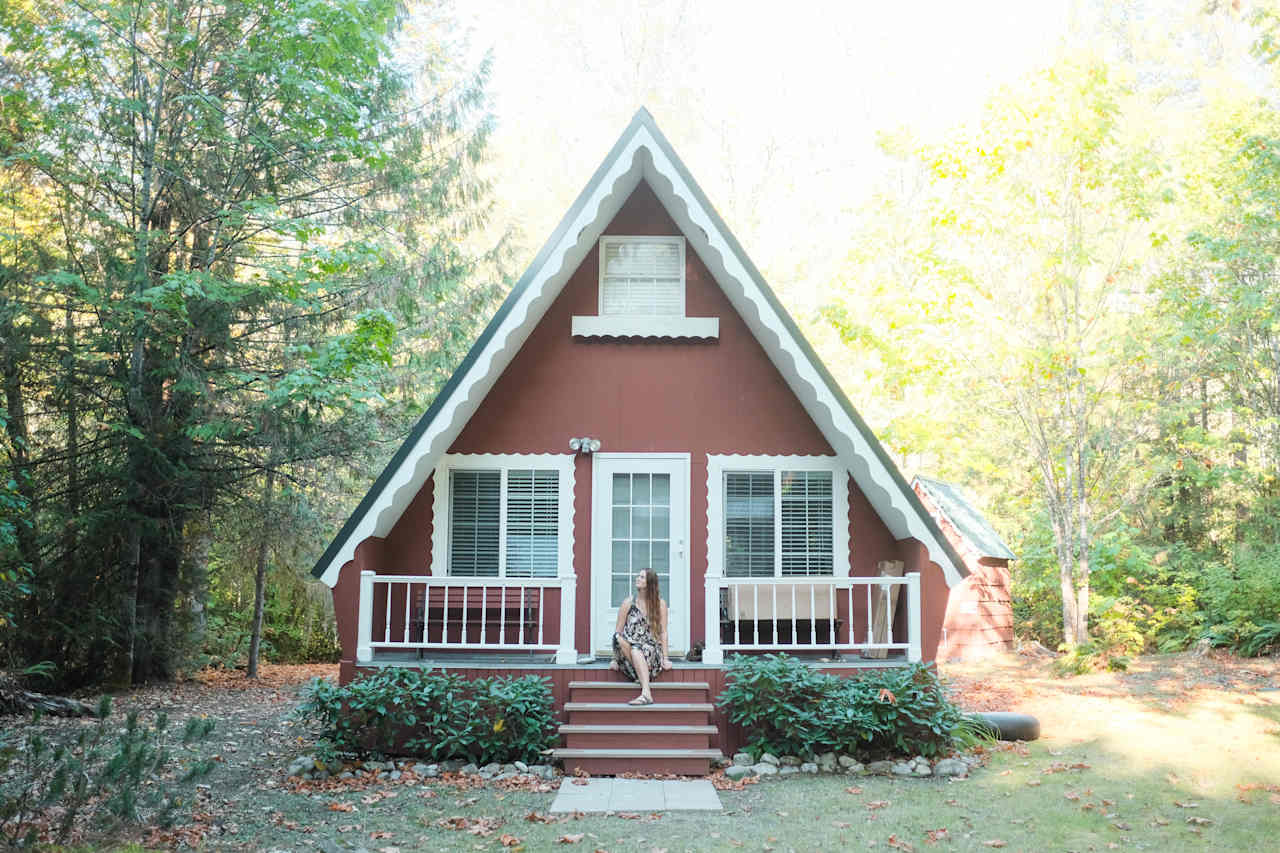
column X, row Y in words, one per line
column 611, row 762
column 625, row 691
column 606, row 736
column 630, row 737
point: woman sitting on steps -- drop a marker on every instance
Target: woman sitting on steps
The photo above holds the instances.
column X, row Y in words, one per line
column 640, row 651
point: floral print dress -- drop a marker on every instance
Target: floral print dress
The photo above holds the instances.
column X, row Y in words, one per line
column 636, row 631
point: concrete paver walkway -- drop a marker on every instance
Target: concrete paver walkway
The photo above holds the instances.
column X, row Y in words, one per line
column 636, row 795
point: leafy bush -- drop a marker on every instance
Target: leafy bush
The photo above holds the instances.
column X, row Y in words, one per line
column 789, row 708
column 434, row 715
column 95, row 779
column 1242, row 600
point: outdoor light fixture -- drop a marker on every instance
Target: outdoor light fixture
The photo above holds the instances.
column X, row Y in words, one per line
column 584, row 444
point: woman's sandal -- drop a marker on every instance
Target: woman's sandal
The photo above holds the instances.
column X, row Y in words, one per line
column 640, row 700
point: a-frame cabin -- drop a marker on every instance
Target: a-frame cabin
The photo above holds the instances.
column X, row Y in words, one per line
column 640, row 400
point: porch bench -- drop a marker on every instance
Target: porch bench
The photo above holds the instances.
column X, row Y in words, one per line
column 790, row 631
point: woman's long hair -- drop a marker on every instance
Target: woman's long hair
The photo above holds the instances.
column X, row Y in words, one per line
column 652, row 598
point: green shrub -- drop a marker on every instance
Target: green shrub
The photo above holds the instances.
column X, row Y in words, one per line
column 97, row 778
column 790, row 708
column 434, row 715
column 1242, row 600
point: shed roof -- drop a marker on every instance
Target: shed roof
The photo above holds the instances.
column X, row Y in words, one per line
column 642, row 153
column 952, row 502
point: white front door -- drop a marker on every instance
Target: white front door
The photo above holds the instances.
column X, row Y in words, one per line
column 640, row 520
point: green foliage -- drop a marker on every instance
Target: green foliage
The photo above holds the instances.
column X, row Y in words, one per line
column 1242, row 600
column 434, row 715
column 787, row 707
column 103, row 777
column 236, row 253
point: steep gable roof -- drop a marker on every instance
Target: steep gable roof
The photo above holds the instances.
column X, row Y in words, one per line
column 952, row 502
column 642, row 153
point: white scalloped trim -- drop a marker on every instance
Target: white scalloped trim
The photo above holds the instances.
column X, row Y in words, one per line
column 561, row 462
column 718, row 464
column 642, row 156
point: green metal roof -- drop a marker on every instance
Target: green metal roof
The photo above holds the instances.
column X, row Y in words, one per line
column 960, row 511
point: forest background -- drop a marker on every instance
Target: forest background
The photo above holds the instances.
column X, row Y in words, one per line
column 242, row 245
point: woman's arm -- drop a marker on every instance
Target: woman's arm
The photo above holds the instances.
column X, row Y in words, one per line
column 623, row 610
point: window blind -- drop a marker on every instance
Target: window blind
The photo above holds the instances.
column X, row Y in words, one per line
column 806, row 523
column 641, row 277
column 748, row 524
column 474, row 521
column 533, row 519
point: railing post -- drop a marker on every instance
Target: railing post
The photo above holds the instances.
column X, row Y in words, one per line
column 364, row 633
column 712, row 653
column 914, row 653
column 567, row 653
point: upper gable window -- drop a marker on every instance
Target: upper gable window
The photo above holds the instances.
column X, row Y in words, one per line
column 642, row 276
column 642, row 290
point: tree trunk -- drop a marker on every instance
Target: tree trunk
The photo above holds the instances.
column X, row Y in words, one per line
column 260, row 576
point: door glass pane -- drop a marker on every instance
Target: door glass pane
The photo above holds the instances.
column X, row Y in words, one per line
column 640, row 522
column 661, row 522
column 639, row 489
column 621, row 522
column 661, row 489
column 621, row 489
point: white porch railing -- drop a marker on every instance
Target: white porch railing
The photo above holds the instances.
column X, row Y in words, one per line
column 411, row 612
column 807, row 613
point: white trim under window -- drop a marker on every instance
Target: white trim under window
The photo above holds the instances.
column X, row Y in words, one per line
column 782, row 501
column 514, row 500
column 641, row 292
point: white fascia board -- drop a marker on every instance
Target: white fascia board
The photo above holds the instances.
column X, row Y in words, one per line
column 873, row 478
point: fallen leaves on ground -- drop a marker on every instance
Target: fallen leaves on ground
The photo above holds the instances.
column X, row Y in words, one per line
column 853, row 789
column 876, row 804
column 571, row 839
column 995, row 842
column 270, row 675
column 509, row 840
column 1199, row 821
column 933, row 836
column 899, row 844
column 482, row 826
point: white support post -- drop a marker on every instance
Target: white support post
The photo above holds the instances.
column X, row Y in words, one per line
column 566, row 653
column 364, row 631
column 914, row 653
column 712, row 653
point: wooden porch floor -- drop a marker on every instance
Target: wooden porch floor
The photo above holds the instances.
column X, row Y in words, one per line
column 492, row 660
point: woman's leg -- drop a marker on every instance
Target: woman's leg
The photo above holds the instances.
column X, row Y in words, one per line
column 642, row 672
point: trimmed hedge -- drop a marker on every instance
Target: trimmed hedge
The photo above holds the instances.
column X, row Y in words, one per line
column 790, row 708
column 435, row 715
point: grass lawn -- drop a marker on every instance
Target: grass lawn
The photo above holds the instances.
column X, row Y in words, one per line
column 1176, row 754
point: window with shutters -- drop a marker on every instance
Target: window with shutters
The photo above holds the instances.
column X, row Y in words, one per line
column 778, row 516
column 503, row 516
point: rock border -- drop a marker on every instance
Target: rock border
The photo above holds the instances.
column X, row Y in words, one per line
column 743, row 766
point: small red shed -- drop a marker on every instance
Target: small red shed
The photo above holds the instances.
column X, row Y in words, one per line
column 979, row 620
column 640, row 400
